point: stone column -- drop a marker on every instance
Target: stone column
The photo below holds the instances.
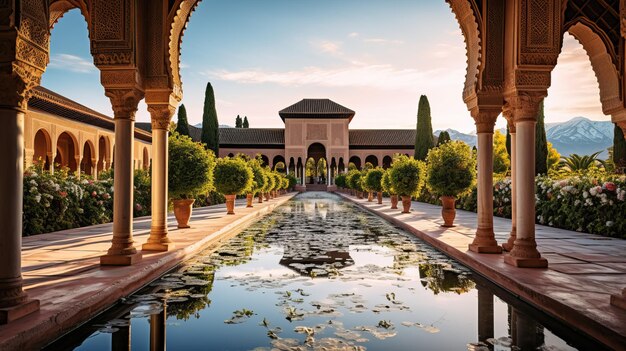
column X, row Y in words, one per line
column 122, row 251
column 161, row 116
column 51, row 157
column 508, row 246
column 526, row 333
column 120, row 340
column 524, row 252
column 157, row 330
column 485, row 314
column 484, row 241
column 94, row 168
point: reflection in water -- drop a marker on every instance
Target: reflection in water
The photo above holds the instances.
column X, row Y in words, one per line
column 318, row 274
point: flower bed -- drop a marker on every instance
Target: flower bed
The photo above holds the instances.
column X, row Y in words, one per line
column 592, row 204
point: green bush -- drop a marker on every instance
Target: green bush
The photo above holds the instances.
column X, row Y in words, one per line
column 190, row 168
column 285, row 183
column 277, row 180
column 373, row 179
column 292, row 181
column 143, row 193
column 340, row 180
column 232, row 176
column 451, row 169
column 260, row 178
column 386, row 184
column 407, row 176
column 354, row 180
column 271, row 181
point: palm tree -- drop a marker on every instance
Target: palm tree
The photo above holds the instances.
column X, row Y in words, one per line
column 575, row 162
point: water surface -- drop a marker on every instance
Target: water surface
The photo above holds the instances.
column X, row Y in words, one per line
column 321, row 274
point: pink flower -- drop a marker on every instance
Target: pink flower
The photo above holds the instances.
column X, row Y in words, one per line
column 106, row 196
column 610, row 186
column 94, row 194
column 63, row 193
column 138, row 207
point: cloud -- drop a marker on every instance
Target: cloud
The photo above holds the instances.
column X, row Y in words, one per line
column 380, row 76
column 383, row 41
column 327, row 46
column 72, row 63
column 353, row 35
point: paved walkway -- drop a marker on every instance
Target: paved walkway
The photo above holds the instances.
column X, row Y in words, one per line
column 62, row 269
column 584, row 269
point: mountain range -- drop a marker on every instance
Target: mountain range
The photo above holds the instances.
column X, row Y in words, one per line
column 579, row 135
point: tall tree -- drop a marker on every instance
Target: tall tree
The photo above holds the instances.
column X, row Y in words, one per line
column 238, row 122
column 210, row 125
column 245, row 122
column 619, row 147
column 182, row 127
column 541, row 144
column 444, row 137
column 501, row 162
column 508, row 141
column 424, row 139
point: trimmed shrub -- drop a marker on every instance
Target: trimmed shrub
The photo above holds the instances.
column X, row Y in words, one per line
column 451, row 169
column 407, row 176
column 354, row 180
column 340, row 180
column 190, row 168
column 373, row 180
column 386, row 184
column 259, row 176
column 292, row 181
column 232, row 176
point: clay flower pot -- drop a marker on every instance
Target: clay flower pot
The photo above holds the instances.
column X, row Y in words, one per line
column 379, row 196
column 394, row 202
column 260, row 198
column 370, row 196
column 448, row 212
column 230, row 204
column 182, row 211
column 406, row 204
column 267, row 196
column 249, row 200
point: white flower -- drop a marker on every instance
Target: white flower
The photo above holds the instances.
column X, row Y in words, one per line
column 33, row 189
column 585, row 194
column 32, row 182
column 577, row 202
column 609, row 223
column 38, row 198
column 593, row 191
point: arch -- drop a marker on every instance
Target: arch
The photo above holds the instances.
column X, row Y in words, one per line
column 356, row 160
column 230, row 154
column 464, row 13
column 58, row 9
column 341, row 167
column 602, row 64
column 42, row 148
column 89, row 153
column 67, row 151
column 265, row 161
column 372, row 159
column 103, row 153
column 178, row 17
column 316, row 151
column 276, row 160
column 146, row 159
column 292, row 166
column 387, row 161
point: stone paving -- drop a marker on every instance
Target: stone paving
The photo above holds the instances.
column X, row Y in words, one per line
column 62, row 269
column 584, row 269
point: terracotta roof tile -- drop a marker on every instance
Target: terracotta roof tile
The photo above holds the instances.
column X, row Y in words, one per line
column 401, row 138
column 316, row 108
column 252, row 136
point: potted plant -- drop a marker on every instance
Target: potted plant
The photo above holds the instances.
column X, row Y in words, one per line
column 386, row 184
column 285, row 184
column 233, row 177
column 258, row 182
column 340, row 182
column 354, row 179
column 373, row 182
column 190, row 173
column 451, row 172
column 407, row 179
column 271, row 183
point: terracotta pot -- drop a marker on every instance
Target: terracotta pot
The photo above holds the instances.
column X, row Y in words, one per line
column 182, row 211
column 359, row 194
column 249, row 200
column 267, row 196
column 370, row 196
column 379, row 196
column 394, row 202
column 230, row 204
column 448, row 212
column 406, row 204
column 260, row 198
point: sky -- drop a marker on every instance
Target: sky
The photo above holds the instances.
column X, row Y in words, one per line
column 370, row 56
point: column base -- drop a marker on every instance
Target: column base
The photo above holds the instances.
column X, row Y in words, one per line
column 158, row 246
column 508, row 246
column 120, row 260
column 10, row 314
column 619, row 300
column 488, row 249
column 521, row 262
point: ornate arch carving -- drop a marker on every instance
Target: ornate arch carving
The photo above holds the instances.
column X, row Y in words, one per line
column 58, row 9
column 601, row 60
column 178, row 18
column 468, row 23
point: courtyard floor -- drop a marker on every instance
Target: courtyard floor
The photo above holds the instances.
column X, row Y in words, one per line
column 62, row 269
column 583, row 269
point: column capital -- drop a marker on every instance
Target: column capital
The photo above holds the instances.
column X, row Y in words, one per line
column 524, row 106
column 485, row 118
column 124, row 101
column 622, row 124
column 507, row 113
column 161, row 115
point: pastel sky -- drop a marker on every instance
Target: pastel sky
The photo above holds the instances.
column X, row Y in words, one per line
column 368, row 55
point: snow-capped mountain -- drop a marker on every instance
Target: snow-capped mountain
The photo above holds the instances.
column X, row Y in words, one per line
column 199, row 125
column 469, row 139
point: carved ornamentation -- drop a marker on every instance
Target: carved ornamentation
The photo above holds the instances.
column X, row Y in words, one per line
column 524, row 106
column 124, row 101
column 11, row 293
column 527, row 79
column 485, row 119
column 507, row 113
column 178, row 19
column 161, row 115
column 622, row 18
column 540, row 32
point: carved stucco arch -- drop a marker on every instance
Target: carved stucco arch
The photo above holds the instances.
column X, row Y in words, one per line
column 178, row 19
column 468, row 23
column 602, row 64
column 58, row 9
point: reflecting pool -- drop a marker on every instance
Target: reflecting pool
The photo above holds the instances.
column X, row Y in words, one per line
column 321, row 274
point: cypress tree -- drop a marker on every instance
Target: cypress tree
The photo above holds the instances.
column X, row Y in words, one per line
column 238, row 122
column 182, row 127
column 210, row 125
column 245, row 122
column 444, row 137
column 541, row 144
column 508, row 141
column 619, row 147
column 424, row 139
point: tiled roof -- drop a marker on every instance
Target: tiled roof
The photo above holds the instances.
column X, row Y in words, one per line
column 48, row 101
column 252, row 136
column 316, row 108
column 402, row 138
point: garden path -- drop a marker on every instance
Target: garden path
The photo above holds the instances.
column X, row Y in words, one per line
column 584, row 269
